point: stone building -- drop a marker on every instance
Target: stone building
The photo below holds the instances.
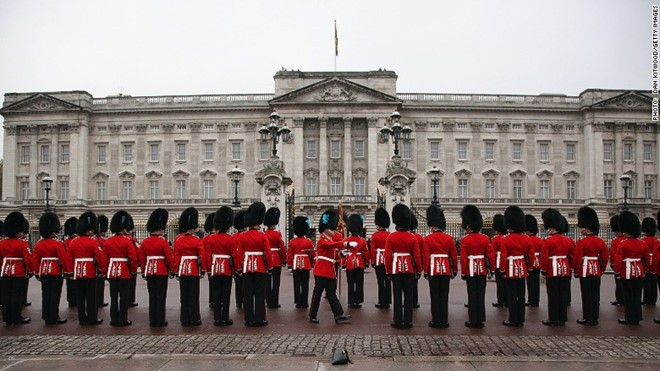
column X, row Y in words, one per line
column 141, row 152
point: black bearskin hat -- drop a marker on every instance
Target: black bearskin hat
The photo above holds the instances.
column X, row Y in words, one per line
column 255, row 214
column 552, row 218
column 272, row 217
column 355, row 223
column 658, row 217
column 401, row 216
column 2, row 232
column 131, row 225
column 86, row 222
column 239, row 220
column 587, row 218
column 471, row 217
column 223, row 219
column 629, row 223
column 614, row 223
column 566, row 226
column 208, row 223
column 70, row 226
column 14, row 224
column 649, row 227
column 329, row 220
column 188, row 220
column 120, row 221
column 414, row 223
column 498, row 223
column 435, row 217
column 103, row 224
column 26, row 226
column 514, row 219
column 157, row 220
column 531, row 224
column 49, row 223
column 300, row 226
column 382, row 218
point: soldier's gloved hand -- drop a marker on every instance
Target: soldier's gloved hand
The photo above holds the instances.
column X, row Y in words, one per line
column 144, row 277
column 418, row 276
column 454, row 274
column 30, row 274
column 544, row 273
column 283, row 264
column 352, row 244
column 464, row 277
column 171, row 275
column 202, row 274
column 426, row 276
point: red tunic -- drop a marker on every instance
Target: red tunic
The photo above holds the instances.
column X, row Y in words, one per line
column 614, row 247
column 516, row 251
column 119, row 257
column 84, row 255
column 15, row 258
column 537, row 248
column 558, row 251
column 189, row 256
column 277, row 249
column 476, row 248
column 300, row 254
column 439, row 256
column 49, row 257
column 497, row 242
column 402, row 254
column 155, row 256
column 656, row 262
column 650, row 243
column 253, row 252
column 590, row 256
column 629, row 260
column 358, row 256
column 378, row 241
column 326, row 256
column 219, row 255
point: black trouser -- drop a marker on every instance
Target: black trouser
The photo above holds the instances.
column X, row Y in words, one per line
column 590, row 289
column 402, row 289
column 119, row 300
column 618, row 291
column 534, row 287
column 254, row 301
column 273, row 287
column 13, row 298
column 51, row 291
column 100, row 290
column 355, row 280
column 189, row 292
column 329, row 285
column 557, row 288
column 221, row 296
column 157, row 287
column 210, row 291
column 632, row 298
column 384, row 286
column 515, row 291
column 476, row 289
column 238, row 290
column 86, row 295
column 301, row 288
column 415, row 292
column 439, row 292
column 500, row 282
column 131, row 289
column 71, row 292
column 650, row 290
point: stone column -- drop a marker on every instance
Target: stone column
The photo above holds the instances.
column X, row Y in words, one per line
column 54, row 163
column 299, row 154
column 638, row 190
column 11, row 160
column 78, row 172
column 589, row 164
column 595, row 158
column 348, row 157
column 323, row 156
column 35, row 185
column 372, row 156
column 618, row 159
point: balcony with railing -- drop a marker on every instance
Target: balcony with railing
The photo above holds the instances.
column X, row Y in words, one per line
column 536, row 101
column 171, row 101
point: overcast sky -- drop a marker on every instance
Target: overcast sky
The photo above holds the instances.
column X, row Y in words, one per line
column 178, row 47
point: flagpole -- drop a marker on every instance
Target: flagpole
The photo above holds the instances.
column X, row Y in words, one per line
column 336, row 45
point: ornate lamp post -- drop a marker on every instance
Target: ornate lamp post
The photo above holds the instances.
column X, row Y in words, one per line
column 625, row 183
column 397, row 132
column 273, row 131
column 48, row 181
column 434, row 175
column 235, row 175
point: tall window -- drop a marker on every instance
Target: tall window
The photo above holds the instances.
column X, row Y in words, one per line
column 64, row 190
column 406, row 149
column 544, row 151
column 629, row 192
column 517, row 188
column 607, row 151
column 263, row 150
column 335, row 148
column 311, row 188
column 180, row 189
column 359, row 185
column 648, row 189
column 490, row 188
column 434, row 150
column 208, row 189
column 570, row 151
column 628, row 154
column 236, row 151
column 462, row 188
column 127, row 189
column 490, row 151
column 100, row 153
column 462, row 150
column 608, row 188
column 311, row 149
column 516, row 151
column 435, row 187
column 100, row 191
column 128, row 152
column 545, row 189
column 570, row 189
column 154, row 189
column 181, row 152
column 154, row 150
column 25, row 154
column 648, row 152
column 25, row 190
column 359, row 148
column 335, row 186
column 64, row 153
column 45, row 154
column 208, row 151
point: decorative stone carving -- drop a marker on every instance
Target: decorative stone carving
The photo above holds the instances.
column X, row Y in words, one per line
column 556, row 127
column 298, row 122
column 530, row 126
column 503, row 126
column 141, row 128
column 335, row 93
column 168, row 127
column 114, row 129
column 476, row 125
column 448, row 125
column 372, row 122
column 10, row 129
column 222, row 126
column 421, row 125
column 195, row 126
column 250, row 126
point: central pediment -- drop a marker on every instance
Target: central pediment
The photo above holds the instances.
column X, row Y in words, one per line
column 335, row 90
column 628, row 100
column 40, row 103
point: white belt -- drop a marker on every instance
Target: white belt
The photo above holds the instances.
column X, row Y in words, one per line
column 511, row 259
column 471, row 259
column 250, row 253
column 183, row 259
column 432, row 257
column 326, row 258
column 497, row 259
column 629, row 265
column 274, row 249
column 217, row 256
column 116, row 260
column 150, row 259
column 379, row 254
column 80, row 260
column 396, row 255
column 43, row 260
column 295, row 259
column 585, row 260
column 4, row 264
column 554, row 264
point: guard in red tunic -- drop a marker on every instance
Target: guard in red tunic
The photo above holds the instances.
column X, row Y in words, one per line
column 656, row 262
column 48, row 258
column 277, row 256
column 328, row 251
column 16, row 269
column 189, row 265
column 84, row 257
column 590, row 262
column 556, row 264
column 254, row 261
column 132, row 298
column 629, row 264
column 2, row 237
column 420, row 243
column 156, row 258
column 614, row 247
column 378, row 239
column 299, row 257
column 356, row 261
column 210, row 231
column 239, row 228
column 101, row 236
column 516, row 253
column 402, row 262
column 477, row 261
column 534, row 269
column 497, row 241
column 70, row 234
column 119, row 262
column 440, row 262
column 650, row 280
column 220, row 264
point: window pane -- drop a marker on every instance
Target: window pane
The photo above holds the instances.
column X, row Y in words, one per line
column 517, row 148
column 311, row 149
column 64, row 190
column 208, row 189
column 648, row 152
column 310, row 187
column 127, row 190
column 406, row 149
column 45, row 154
column 263, row 150
column 25, row 154
column 570, row 152
column 154, row 189
column 608, row 191
column 335, row 186
column 100, row 152
column 490, row 188
column 359, row 148
column 462, row 188
column 628, row 152
column 335, row 149
column 154, row 153
column 607, row 151
column 648, row 189
column 64, row 149
column 545, row 189
column 517, row 188
column 490, row 151
column 359, row 185
column 100, row 191
column 570, row 189
column 25, row 190
column 236, row 151
column 434, row 150
column 543, row 149
column 180, row 189
column 462, row 150
column 181, row 152
column 128, row 152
